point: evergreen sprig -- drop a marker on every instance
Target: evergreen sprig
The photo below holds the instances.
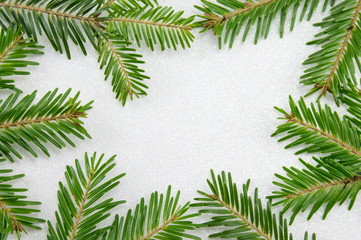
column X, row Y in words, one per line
column 16, row 211
column 334, row 67
column 13, row 49
column 161, row 218
column 243, row 216
column 146, row 22
column 230, row 18
column 318, row 129
column 32, row 126
column 329, row 183
column 120, row 62
column 81, row 203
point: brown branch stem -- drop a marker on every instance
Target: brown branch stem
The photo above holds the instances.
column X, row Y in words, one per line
column 322, row 186
column 91, row 19
column 147, row 23
column 81, row 207
column 10, row 47
column 16, row 225
column 42, row 120
column 107, row 4
column 160, row 228
column 40, row 10
column 250, row 7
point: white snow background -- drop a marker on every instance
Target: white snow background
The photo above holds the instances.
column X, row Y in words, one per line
column 206, row 109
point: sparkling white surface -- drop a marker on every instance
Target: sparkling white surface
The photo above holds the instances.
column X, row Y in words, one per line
column 206, row 109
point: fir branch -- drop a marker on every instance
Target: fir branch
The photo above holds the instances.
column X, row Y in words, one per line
column 13, row 48
column 228, row 19
column 243, row 216
column 80, row 204
column 120, row 62
column 334, row 66
column 146, row 22
column 325, row 134
column 244, row 219
column 163, row 217
column 15, row 211
column 321, row 130
column 329, row 183
column 49, row 120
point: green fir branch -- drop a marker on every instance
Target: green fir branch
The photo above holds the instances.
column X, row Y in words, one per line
column 120, row 63
column 162, row 218
column 13, row 49
column 242, row 215
column 318, row 129
column 16, row 212
column 147, row 23
column 335, row 66
column 327, row 184
column 81, row 203
column 230, row 18
column 32, row 126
